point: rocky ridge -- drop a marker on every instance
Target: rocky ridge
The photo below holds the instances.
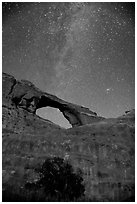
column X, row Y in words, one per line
column 103, row 149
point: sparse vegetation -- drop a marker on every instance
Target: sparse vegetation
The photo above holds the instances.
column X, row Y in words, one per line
column 57, row 182
column 57, row 179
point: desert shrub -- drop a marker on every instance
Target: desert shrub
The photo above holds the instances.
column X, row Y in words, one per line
column 58, row 180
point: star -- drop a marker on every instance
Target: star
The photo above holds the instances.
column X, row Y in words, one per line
column 83, row 52
column 108, row 90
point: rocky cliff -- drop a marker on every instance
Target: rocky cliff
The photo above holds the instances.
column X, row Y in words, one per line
column 102, row 148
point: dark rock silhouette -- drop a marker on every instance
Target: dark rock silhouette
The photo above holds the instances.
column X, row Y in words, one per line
column 25, row 95
column 104, row 149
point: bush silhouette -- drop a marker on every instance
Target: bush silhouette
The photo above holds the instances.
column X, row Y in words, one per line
column 59, row 180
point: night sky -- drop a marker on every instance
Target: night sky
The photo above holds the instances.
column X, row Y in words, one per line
column 81, row 52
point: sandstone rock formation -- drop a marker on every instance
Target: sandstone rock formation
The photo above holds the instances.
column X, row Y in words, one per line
column 25, row 95
column 104, row 149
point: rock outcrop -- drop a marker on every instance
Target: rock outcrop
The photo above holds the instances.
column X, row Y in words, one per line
column 104, row 149
column 23, row 94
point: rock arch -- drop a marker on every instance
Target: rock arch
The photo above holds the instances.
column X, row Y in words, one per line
column 70, row 113
column 23, row 94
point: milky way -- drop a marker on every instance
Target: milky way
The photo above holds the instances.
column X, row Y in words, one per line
column 81, row 52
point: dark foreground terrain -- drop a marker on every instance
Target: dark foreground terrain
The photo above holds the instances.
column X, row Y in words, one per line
column 92, row 161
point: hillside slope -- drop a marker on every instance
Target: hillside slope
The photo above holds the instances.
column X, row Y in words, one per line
column 104, row 149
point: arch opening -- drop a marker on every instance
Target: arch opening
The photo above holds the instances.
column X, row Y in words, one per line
column 54, row 115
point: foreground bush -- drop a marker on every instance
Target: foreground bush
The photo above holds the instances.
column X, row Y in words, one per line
column 58, row 180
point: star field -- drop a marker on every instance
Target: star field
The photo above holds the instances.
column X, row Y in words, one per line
column 81, row 52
